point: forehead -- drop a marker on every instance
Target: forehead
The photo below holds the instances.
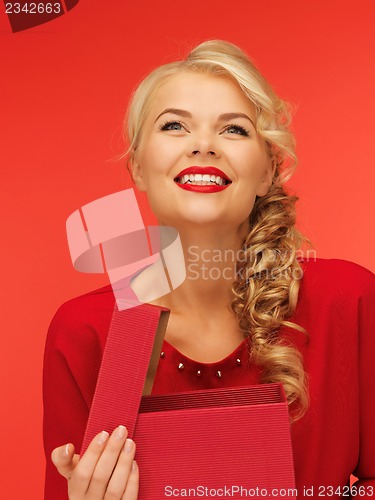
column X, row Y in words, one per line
column 200, row 94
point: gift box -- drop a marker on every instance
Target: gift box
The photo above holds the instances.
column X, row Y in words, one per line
column 220, row 442
column 232, row 442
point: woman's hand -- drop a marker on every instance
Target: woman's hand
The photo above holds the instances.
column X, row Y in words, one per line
column 106, row 471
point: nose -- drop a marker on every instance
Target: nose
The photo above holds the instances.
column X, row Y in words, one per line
column 204, row 145
column 197, row 152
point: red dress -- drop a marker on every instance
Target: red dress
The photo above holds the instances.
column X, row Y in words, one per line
column 334, row 439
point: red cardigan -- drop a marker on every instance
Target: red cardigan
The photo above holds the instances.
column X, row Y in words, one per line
column 334, row 439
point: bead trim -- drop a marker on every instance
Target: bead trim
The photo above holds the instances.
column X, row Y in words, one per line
column 218, row 373
column 199, row 373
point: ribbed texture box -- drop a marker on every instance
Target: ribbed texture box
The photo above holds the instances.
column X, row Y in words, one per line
column 229, row 443
column 207, row 443
column 123, row 370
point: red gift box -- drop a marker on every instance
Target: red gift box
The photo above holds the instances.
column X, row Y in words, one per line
column 232, row 443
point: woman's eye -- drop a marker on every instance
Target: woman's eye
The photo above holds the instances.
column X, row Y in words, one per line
column 171, row 126
column 237, row 129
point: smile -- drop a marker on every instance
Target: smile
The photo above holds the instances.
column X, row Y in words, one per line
column 202, row 179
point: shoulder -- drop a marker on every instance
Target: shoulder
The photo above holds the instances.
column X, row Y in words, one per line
column 334, row 286
column 336, row 302
column 84, row 307
column 336, row 275
column 82, row 321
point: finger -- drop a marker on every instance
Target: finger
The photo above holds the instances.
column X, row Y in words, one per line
column 132, row 486
column 122, row 472
column 64, row 459
column 107, row 462
column 81, row 476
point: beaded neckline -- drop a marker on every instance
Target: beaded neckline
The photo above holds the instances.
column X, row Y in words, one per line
column 221, row 361
column 237, row 358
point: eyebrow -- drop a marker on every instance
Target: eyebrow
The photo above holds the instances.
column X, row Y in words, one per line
column 222, row 117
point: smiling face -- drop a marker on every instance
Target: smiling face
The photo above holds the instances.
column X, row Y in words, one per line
column 198, row 120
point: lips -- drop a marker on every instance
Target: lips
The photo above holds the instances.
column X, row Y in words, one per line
column 202, row 180
column 203, row 170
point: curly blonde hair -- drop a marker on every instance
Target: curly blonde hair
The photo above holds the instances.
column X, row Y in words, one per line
column 266, row 289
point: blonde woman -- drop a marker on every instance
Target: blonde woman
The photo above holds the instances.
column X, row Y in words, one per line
column 210, row 145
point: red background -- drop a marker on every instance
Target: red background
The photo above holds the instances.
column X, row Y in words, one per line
column 64, row 90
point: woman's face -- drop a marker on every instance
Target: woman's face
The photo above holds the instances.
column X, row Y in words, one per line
column 203, row 121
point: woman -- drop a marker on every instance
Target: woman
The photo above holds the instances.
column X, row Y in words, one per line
column 246, row 292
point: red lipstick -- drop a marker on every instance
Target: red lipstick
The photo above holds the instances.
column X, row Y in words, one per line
column 209, row 188
column 203, row 189
column 203, row 170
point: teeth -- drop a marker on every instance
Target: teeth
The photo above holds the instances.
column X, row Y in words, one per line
column 201, row 180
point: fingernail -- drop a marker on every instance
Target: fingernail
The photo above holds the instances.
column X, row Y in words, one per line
column 66, row 451
column 120, row 432
column 103, row 436
column 129, row 443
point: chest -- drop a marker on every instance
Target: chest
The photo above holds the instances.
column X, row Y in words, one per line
column 208, row 340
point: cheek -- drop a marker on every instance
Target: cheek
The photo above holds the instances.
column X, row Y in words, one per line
column 160, row 154
column 250, row 164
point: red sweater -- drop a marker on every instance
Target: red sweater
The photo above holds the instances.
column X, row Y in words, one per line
column 334, row 439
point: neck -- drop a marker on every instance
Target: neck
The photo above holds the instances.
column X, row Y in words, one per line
column 210, row 259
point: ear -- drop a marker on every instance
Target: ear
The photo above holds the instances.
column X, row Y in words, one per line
column 267, row 177
column 137, row 175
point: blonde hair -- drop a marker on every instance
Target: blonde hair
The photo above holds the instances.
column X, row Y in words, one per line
column 265, row 292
